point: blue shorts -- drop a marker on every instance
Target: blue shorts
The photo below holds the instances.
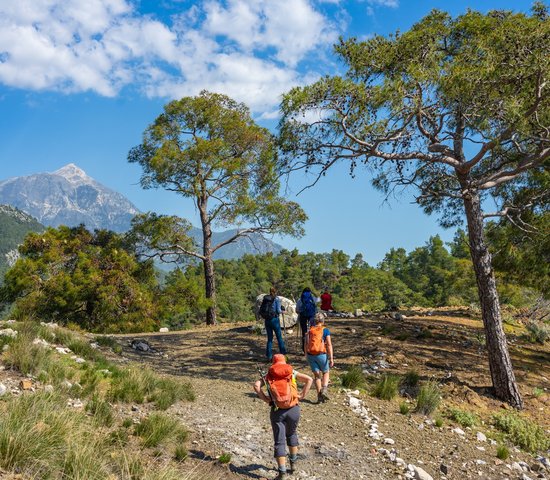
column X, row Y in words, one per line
column 318, row 363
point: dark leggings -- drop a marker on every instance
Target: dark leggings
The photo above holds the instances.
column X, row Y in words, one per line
column 284, row 423
column 305, row 323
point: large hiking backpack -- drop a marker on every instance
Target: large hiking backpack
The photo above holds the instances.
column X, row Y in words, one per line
column 315, row 343
column 282, row 385
column 267, row 308
column 308, row 305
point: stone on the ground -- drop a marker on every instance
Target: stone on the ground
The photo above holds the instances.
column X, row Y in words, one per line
column 444, row 469
column 458, row 430
column 48, row 388
column 63, row 350
column 140, row 345
column 164, row 330
column 25, row 384
column 3, row 389
column 481, row 437
column 8, row 332
column 419, row 473
column 389, row 441
column 41, row 342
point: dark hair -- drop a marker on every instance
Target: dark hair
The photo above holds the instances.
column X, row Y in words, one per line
column 307, row 289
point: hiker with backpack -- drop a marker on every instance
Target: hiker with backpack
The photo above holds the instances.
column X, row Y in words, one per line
column 270, row 310
column 306, row 308
column 283, row 397
column 320, row 355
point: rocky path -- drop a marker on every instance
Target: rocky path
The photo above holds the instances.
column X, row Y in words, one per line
column 353, row 436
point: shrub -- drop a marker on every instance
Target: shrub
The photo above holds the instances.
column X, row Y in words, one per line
column 404, row 408
column 429, row 398
column 522, row 432
column 410, row 379
column 538, row 392
column 386, row 388
column 438, row 422
column 402, row 336
column 538, row 332
column 462, row 417
column 224, row 458
column 132, row 385
column 425, row 333
column 353, row 378
column 387, row 329
column 180, row 453
column 158, row 428
column 502, row 452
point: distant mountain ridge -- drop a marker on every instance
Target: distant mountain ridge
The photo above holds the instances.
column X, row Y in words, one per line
column 14, row 226
column 70, row 197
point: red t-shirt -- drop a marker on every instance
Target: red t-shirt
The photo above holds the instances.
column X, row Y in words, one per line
column 326, row 301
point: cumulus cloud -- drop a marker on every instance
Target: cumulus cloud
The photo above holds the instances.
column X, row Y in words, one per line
column 248, row 49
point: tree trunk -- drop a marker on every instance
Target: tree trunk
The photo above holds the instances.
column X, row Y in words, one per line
column 500, row 365
column 208, row 263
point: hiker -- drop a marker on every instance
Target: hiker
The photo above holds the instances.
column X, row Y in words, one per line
column 270, row 311
column 283, row 397
column 320, row 355
column 306, row 309
column 326, row 301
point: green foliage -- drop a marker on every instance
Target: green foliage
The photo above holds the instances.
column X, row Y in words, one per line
column 69, row 275
column 101, row 411
column 134, row 384
column 180, row 453
column 429, row 398
column 411, row 378
column 503, row 452
column 169, row 391
column 462, row 417
column 353, row 378
column 386, row 387
column 538, row 332
column 522, row 432
column 438, row 422
column 224, row 458
column 404, row 408
column 159, row 428
column 538, row 392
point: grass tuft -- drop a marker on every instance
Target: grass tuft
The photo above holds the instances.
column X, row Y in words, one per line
column 502, row 452
column 386, row 388
column 353, row 378
column 429, row 398
column 404, row 408
column 462, row 417
column 159, row 428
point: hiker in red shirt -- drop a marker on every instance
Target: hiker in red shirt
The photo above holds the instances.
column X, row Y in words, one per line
column 283, row 397
column 326, row 301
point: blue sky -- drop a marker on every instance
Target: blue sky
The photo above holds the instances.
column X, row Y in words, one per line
column 80, row 81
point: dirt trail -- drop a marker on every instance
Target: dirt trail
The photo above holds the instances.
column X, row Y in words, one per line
column 227, row 418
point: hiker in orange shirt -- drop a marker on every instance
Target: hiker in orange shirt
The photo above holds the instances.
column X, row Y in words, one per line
column 283, row 397
column 320, row 355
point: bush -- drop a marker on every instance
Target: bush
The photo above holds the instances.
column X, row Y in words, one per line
column 386, row 388
column 522, row 432
column 353, row 378
column 463, row 418
column 538, row 332
column 404, row 408
column 438, row 422
column 132, row 385
column 224, row 458
column 169, row 391
column 410, row 379
column 159, row 428
column 180, row 453
column 429, row 398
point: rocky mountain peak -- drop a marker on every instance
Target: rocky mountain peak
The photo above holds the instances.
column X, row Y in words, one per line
column 74, row 174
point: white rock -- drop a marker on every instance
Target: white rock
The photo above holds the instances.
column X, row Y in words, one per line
column 481, row 462
column 481, row 437
column 354, row 402
column 63, row 350
column 79, row 360
column 8, row 332
column 525, row 477
column 48, row 388
column 164, row 330
column 3, row 389
column 419, row 473
column 389, row 441
column 517, row 466
column 458, row 430
column 481, row 449
column 41, row 342
column 355, row 393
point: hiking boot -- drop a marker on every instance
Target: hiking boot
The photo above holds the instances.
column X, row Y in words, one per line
column 292, row 460
column 320, row 398
column 324, row 394
column 281, row 476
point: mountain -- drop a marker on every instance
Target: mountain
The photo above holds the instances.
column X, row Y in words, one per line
column 14, row 226
column 68, row 197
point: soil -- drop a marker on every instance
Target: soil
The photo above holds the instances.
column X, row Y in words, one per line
column 227, row 418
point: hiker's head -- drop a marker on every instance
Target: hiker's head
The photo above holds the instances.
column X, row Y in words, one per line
column 319, row 318
column 278, row 358
column 273, row 291
column 306, row 290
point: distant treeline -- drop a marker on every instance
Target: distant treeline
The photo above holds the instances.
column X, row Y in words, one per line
column 95, row 281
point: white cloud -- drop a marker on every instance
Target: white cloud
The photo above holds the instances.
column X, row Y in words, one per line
column 247, row 49
column 384, row 3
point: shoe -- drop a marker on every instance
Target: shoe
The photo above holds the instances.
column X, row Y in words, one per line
column 324, row 394
column 320, row 398
column 281, row 476
column 292, row 462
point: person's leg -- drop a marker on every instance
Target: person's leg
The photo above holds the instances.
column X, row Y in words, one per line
column 269, row 346
column 277, row 327
column 324, row 367
column 303, row 328
column 291, row 424
column 278, row 425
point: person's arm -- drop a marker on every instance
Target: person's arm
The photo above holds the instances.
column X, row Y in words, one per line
column 260, row 392
column 307, row 381
column 328, row 343
column 278, row 306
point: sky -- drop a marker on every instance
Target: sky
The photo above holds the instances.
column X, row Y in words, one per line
column 81, row 81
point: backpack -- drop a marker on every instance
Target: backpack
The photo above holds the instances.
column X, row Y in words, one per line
column 308, row 305
column 267, row 309
column 315, row 343
column 282, row 385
